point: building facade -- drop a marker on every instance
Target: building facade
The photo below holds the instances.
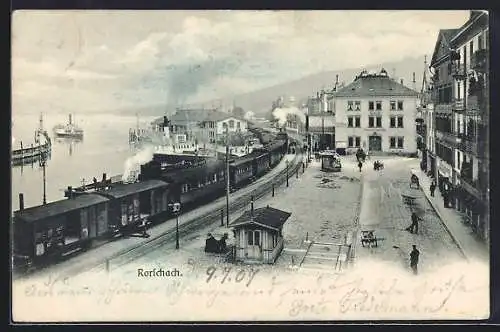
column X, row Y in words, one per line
column 376, row 113
column 321, row 121
column 460, row 95
column 470, row 63
column 442, row 159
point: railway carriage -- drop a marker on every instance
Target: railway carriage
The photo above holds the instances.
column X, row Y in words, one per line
column 133, row 205
column 48, row 232
column 241, row 172
column 260, row 163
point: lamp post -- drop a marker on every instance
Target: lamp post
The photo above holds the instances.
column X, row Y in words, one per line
column 227, row 174
column 176, row 209
column 287, row 172
column 42, row 163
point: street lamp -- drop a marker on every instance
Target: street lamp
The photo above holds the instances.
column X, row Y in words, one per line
column 287, row 172
column 176, row 209
column 227, row 173
column 42, row 163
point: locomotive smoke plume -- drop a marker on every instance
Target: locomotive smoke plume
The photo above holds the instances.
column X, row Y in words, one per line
column 133, row 163
column 281, row 114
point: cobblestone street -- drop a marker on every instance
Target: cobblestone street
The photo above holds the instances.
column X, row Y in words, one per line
column 384, row 212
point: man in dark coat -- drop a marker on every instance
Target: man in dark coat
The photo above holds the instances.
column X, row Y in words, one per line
column 211, row 244
column 433, row 188
column 414, row 223
column 414, row 254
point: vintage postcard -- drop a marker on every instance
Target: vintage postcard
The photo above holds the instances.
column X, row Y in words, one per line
column 181, row 166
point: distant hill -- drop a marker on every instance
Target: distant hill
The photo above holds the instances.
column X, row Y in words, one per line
column 260, row 101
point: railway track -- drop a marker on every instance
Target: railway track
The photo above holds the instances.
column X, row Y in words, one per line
column 123, row 257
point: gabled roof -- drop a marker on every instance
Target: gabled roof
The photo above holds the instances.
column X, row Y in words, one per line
column 52, row 209
column 184, row 116
column 444, row 36
column 122, row 190
column 376, row 86
column 266, row 217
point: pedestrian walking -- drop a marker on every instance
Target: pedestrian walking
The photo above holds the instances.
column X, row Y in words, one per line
column 433, row 188
column 360, row 164
column 414, row 223
column 414, row 255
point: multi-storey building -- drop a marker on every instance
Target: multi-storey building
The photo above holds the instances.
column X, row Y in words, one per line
column 321, row 123
column 470, row 66
column 376, row 113
column 442, row 159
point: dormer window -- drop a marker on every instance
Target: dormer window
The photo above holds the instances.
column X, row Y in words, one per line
column 349, row 105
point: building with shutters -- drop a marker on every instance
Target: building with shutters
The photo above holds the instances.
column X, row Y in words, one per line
column 375, row 113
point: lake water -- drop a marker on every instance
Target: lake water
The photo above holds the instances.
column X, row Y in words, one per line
column 104, row 149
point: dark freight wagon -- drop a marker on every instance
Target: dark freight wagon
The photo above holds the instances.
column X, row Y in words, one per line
column 132, row 205
column 56, row 229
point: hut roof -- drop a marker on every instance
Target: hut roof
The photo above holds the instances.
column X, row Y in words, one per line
column 266, row 217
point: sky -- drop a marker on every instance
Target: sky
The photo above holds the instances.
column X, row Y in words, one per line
column 107, row 60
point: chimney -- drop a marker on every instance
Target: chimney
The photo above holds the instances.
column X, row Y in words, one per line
column 103, row 177
column 70, row 192
column 21, row 201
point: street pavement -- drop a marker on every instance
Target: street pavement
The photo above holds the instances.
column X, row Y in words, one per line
column 384, row 211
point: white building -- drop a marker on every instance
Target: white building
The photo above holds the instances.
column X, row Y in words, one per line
column 376, row 113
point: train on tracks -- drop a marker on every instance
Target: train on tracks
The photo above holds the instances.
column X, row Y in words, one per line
column 43, row 235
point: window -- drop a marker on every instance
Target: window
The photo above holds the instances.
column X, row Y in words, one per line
column 238, row 125
column 480, row 42
column 379, row 105
column 371, row 120
column 400, row 142
column 379, row 122
column 393, row 105
column 458, row 90
column 358, row 105
column 400, row 122
column 231, row 123
column 393, row 142
column 370, row 105
column 449, row 68
column 349, row 105
column 393, row 122
column 400, row 105
column 349, row 121
column 253, row 238
column 358, row 122
column 358, row 141
column 349, row 141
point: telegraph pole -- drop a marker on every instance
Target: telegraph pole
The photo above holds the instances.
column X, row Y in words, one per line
column 227, row 175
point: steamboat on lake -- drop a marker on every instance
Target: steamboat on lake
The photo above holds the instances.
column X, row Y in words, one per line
column 39, row 150
column 69, row 130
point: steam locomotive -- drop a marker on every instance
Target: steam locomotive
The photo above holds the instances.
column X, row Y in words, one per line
column 47, row 233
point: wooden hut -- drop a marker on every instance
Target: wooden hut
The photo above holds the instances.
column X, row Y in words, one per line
column 258, row 237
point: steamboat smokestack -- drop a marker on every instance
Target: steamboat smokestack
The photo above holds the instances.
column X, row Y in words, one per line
column 21, row 201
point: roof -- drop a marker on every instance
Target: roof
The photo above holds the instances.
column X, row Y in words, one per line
column 266, row 217
column 376, row 85
column 444, row 35
column 199, row 115
column 58, row 207
column 122, row 190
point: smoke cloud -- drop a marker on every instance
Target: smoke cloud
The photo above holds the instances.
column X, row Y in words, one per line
column 249, row 115
column 133, row 163
column 281, row 114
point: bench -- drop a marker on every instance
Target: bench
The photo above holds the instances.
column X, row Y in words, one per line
column 368, row 238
